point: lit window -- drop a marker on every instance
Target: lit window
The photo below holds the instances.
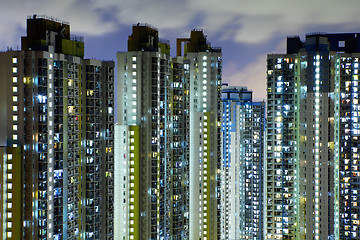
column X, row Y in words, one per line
column 15, row 98
column 15, row 108
column 14, row 69
column 9, row 234
column 15, row 137
column 9, row 224
column 15, row 118
column 9, row 186
column 14, row 89
column 15, row 127
column 134, row 59
column 10, row 166
column 14, row 79
column 14, row 60
column 9, row 196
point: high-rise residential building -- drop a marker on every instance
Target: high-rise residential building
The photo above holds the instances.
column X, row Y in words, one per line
column 167, row 146
column 56, row 128
column 312, row 166
column 243, row 133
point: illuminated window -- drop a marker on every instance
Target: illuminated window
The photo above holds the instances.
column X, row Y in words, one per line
column 9, row 224
column 14, row 79
column 15, row 127
column 14, row 69
column 15, row 108
column 9, row 196
column 14, row 89
column 10, row 166
column 9, row 234
column 15, row 98
column 9, row 185
column 14, row 60
column 15, row 118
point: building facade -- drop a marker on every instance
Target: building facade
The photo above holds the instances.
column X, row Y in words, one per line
column 167, row 139
column 243, row 133
column 312, row 170
column 58, row 111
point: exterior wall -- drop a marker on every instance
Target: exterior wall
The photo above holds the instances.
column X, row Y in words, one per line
column 282, row 191
column 98, row 118
column 346, row 147
column 205, row 144
column 144, row 102
column 11, row 192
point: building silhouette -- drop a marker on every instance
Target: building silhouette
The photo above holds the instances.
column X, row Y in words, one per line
column 168, row 141
column 57, row 122
column 312, row 165
column 243, row 134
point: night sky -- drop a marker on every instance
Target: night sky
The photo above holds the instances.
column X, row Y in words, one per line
column 245, row 29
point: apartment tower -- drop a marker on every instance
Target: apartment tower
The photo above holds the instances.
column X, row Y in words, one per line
column 243, row 133
column 312, row 140
column 56, row 130
column 167, row 138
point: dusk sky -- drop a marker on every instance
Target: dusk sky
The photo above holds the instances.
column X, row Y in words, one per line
column 245, row 29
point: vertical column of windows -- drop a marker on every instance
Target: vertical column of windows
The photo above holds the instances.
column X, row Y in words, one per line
column 8, row 196
column 317, row 145
column 15, row 105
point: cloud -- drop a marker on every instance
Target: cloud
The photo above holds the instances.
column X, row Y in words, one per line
column 246, row 22
column 253, row 76
column 251, row 21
